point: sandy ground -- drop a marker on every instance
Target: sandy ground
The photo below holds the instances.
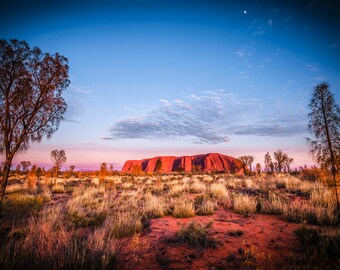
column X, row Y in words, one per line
column 267, row 242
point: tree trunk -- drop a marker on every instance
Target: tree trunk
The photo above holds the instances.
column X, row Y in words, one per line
column 4, row 181
column 334, row 171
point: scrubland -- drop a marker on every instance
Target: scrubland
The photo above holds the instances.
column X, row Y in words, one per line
column 210, row 221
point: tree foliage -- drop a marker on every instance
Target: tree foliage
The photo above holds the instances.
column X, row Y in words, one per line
column 58, row 158
column 31, row 102
column 25, row 165
column 324, row 124
column 280, row 158
column 268, row 163
column 247, row 161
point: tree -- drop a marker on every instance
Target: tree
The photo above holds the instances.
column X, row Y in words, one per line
column 247, row 161
column 71, row 168
column 103, row 172
column 31, row 102
column 250, row 162
column 280, row 158
column 58, row 158
column 25, row 165
column 288, row 162
column 324, row 124
column 258, row 168
column 70, row 172
column 244, row 160
column 267, row 163
column 18, row 169
column 111, row 169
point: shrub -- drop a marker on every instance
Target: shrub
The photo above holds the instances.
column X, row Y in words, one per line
column 15, row 188
column 183, row 209
column 204, row 205
column 219, row 191
column 153, row 206
column 244, row 204
column 320, row 247
column 177, row 189
column 300, row 212
column 312, row 175
column 274, row 205
column 196, row 235
column 89, row 208
column 58, row 188
column 18, row 204
column 46, row 243
column 198, row 187
column 125, row 224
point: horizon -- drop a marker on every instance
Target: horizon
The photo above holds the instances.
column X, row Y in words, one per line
column 177, row 78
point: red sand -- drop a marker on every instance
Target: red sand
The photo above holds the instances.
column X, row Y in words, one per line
column 212, row 162
column 270, row 239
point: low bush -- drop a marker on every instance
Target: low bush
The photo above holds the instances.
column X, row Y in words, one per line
column 183, row 209
column 320, row 247
column 244, row 204
column 204, row 205
column 196, row 235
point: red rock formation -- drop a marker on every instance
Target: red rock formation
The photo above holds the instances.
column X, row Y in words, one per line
column 207, row 163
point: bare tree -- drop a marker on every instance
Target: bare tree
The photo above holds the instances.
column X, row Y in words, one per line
column 324, row 124
column 58, row 158
column 31, row 102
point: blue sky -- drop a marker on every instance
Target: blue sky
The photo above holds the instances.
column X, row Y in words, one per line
column 182, row 77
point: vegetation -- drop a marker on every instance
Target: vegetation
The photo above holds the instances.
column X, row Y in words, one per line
column 31, row 102
column 58, row 158
column 87, row 222
column 196, row 235
column 324, row 124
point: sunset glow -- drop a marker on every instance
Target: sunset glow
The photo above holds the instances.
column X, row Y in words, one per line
column 167, row 78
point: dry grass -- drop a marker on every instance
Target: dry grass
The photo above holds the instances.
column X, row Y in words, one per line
column 84, row 226
column 153, row 206
column 183, row 208
column 219, row 191
column 58, row 188
column 244, row 204
column 274, row 205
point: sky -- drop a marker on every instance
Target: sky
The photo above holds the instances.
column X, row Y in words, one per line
column 153, row 78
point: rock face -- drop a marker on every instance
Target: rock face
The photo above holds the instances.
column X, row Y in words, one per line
column 207, row 163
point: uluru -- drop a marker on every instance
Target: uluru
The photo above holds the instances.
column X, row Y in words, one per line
column 207, row 163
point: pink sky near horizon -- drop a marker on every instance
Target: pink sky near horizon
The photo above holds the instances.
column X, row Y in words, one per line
column 89, row 157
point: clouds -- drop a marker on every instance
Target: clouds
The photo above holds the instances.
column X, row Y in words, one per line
column 76, row 97
column 207, row 117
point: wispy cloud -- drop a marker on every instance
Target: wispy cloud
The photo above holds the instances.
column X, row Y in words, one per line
column 208, row 117
column 76, row 97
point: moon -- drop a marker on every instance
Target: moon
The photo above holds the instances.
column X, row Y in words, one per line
column 245, row 12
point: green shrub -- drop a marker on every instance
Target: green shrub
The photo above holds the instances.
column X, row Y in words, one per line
column 320, row 247
column 196, row 235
